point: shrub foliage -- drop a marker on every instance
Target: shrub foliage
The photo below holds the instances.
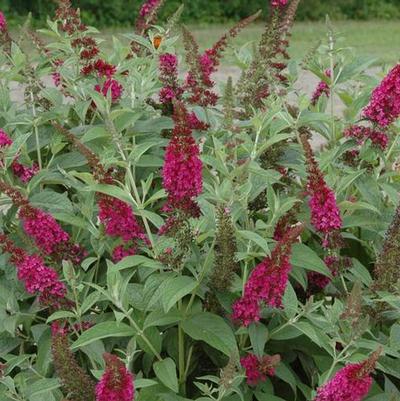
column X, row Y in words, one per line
column 123, row 12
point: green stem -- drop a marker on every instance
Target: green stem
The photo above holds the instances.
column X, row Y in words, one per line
column 39, row 155
column 200, row 279
column 181, row 361
column 254, row 152
column 332, row 86
column 132, row 183
column 392, row 148
column 140, row 332
column 336, row 360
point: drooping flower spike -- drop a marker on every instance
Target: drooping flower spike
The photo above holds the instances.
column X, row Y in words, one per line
column 116, row 383
column 182, row 171
column 75, row 381
column 267, row 282
column 386, row 270
column 257, row 369
column 201, row 66
column 169, row 77
column 42, row 227
column 264, row 75
column 116, row 215
column 37, row 278
column 325, row 214
column 279, row 3
column 384, row 106
column 361, row 134
column 351, row 383
column 24, row 173
column 322, row 89
column 5, row 39
column 147, row 15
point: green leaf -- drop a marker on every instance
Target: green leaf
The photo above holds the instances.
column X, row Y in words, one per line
column 395, row 337
column 290, row 302
column 95, row 133
column 174, row 289
column 305, row 257
column 160, row 318
column 213, row 330
column 153, row 125
column 89, row 301
column 61, row 314
column 361, row 272
column 113, row 191
column 256, row 238
column 103, row 330
column 42, row 386
column 165, row 370
column 136, row 260
column 143, row 383
column 285, row 374
column 258, row 337
column 52, row 201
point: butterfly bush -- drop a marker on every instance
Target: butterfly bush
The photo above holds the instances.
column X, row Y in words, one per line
column 384, row 106
column 353, row 382
column 257, row 369
column 321, row 90
column 267, row 282
column 325, row 214
column 171, row 233
column 36, row 276
column 116, row 383
column 182, row 170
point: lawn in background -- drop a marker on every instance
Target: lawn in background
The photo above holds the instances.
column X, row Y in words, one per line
column 378, row 39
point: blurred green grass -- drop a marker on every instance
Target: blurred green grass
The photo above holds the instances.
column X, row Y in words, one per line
column 377, row 39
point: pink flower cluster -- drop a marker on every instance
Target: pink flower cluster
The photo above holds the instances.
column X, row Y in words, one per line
column 182, row 177
column 361, row 134
column 5, row 140
column 148, row 7
column 3, row 23
column 279, row 3
column 101, row 67
column 120, row 222
column 201, row 87
column 31, row 270
column 24, row 173
column 169, row 77
column 182, row 171
column 110, row 86
column 322, row 89
column 257, row 369
column 44, row 229
column 39, row 278
column 351, row 383
column 384, row 107
column 267, row 282
column 318, row 281
column 325, row 214
column 116, row 383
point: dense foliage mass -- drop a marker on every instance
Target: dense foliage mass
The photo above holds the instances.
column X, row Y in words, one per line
column 167, row 238
column 123, row 12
